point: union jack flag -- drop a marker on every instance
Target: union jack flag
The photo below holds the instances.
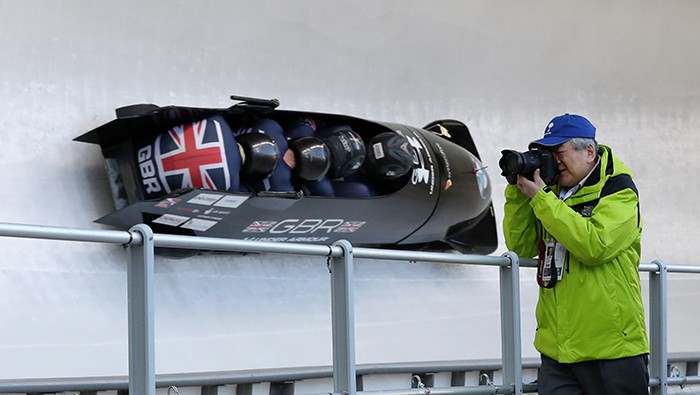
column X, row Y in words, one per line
column 200, row 154
column 349, row 226
column 259, row 226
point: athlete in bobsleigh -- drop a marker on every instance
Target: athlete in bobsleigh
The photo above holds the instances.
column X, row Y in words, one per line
column 265, row 156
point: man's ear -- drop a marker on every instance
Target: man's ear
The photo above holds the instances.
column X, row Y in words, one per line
column 590, row 150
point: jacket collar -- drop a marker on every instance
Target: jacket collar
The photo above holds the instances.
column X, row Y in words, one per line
column 564, row 193
column 595, row 176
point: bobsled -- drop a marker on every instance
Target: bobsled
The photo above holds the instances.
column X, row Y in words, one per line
column 252, row 171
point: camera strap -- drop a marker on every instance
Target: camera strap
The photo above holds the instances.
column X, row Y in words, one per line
column 550, row 257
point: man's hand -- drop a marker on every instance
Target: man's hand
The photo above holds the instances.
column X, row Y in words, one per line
column 530, row 188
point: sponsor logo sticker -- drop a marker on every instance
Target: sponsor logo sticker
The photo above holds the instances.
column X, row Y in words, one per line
column 171, row 220
column 289, row 239
column 231, row 201
column 259, row 226
column 212, row 210
column 304, row 226
column 165, row 203
column 482, row 179
column 205, row 199
column 349, row 226
column 198, row 224
column 423, row 169
column 448, row 169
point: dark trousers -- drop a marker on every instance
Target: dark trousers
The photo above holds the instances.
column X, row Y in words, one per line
column 624, row 376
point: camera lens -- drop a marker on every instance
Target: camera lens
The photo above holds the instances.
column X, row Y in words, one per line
column 514, row 163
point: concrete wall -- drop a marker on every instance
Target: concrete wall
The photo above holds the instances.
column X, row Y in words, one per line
column 504, row 68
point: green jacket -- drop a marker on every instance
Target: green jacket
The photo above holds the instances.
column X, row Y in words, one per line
column 595, row 311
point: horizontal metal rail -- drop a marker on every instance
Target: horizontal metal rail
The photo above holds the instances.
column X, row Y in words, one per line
column 141, row 243
column 69, row 234
column 221, row 244
column 203, row 379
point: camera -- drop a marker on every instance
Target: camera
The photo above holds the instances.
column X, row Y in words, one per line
column 513, row 163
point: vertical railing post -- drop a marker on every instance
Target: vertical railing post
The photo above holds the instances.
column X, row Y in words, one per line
column 141, row 317
column 658, row 322
column 343, row 320
column 511, row 347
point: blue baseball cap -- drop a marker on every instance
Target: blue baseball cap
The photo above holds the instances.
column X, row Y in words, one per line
column 565, row 127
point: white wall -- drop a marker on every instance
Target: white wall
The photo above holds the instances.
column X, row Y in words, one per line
column 503, row 68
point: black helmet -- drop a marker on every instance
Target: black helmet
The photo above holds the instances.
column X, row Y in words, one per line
column 260, row 155
column 389, row 156
column 347, row 151
column 311, row 158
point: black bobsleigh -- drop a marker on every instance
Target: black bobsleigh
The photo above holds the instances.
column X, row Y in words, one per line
column 254, row 172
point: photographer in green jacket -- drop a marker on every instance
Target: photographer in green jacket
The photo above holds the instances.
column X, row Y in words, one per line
column 584, row 226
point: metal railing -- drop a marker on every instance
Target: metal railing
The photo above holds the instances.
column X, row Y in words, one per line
column 141, row 242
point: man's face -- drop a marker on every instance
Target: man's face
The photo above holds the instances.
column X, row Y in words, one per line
column 573, row 165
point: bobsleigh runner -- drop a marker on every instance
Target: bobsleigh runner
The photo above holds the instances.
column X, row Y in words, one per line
column 254, row 172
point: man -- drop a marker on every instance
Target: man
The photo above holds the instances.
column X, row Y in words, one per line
column 586, row 231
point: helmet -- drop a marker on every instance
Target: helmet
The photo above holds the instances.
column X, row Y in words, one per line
column 260, row 155
column 300, row 128
column 388, row 156
column 347, row 151
column 311, row 157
